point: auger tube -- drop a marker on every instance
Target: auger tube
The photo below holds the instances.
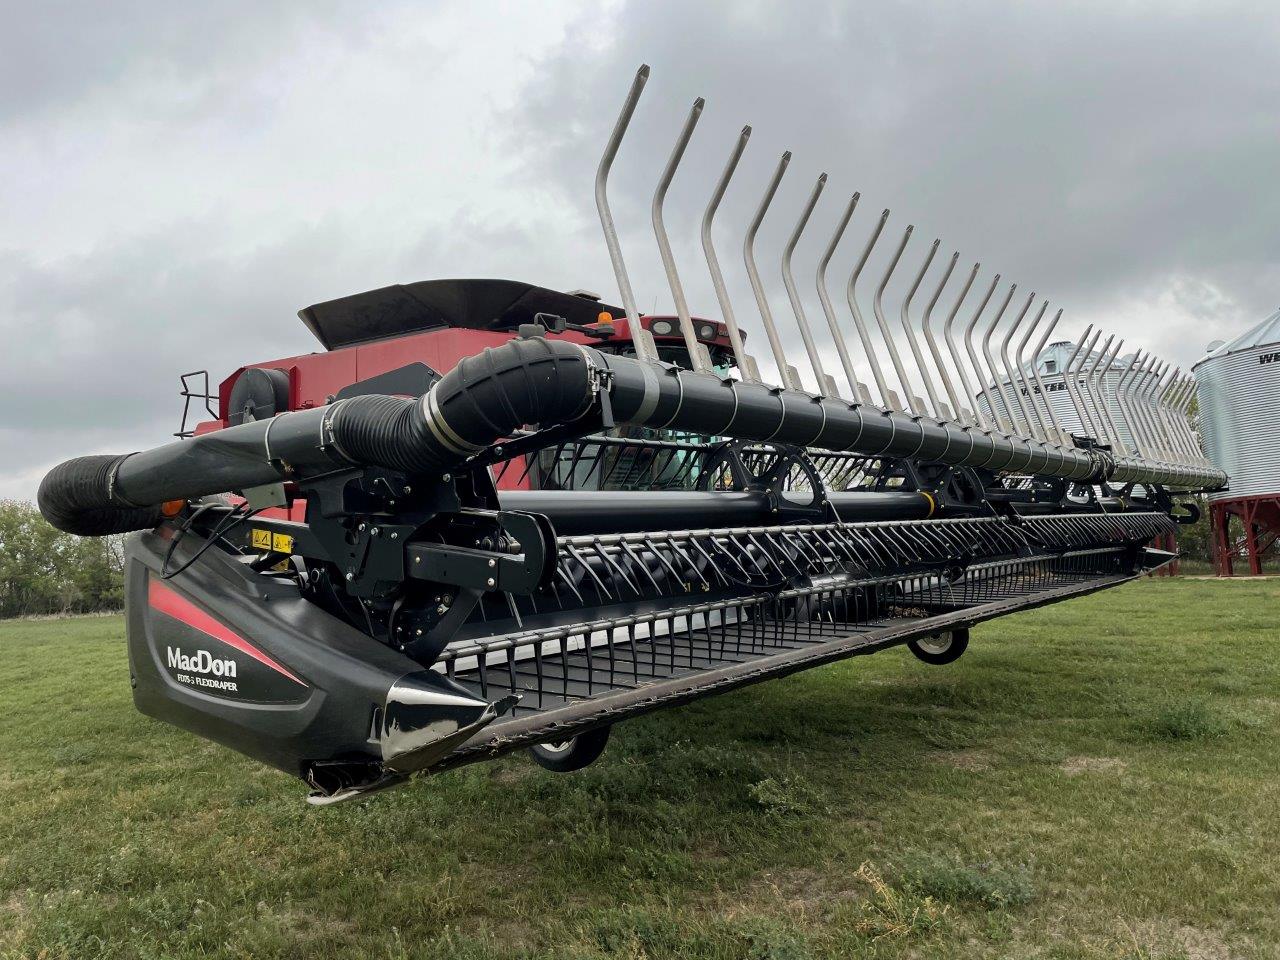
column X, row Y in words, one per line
column 551, row 383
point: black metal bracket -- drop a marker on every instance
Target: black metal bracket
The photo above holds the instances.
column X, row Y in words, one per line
column 485, row 570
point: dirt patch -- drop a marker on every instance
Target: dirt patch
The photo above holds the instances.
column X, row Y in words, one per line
column 800, row 891
column 512, row 773
column 962, row 759
column 1170, row 939
column 1075, row 766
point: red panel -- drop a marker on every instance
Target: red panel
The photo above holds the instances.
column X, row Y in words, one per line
column 172, row 604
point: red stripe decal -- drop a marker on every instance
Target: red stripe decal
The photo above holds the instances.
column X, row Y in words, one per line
column 173, row 604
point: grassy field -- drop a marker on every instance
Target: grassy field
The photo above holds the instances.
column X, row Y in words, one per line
column 1099, row 778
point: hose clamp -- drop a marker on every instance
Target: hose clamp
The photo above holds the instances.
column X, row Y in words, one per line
column 432, row 414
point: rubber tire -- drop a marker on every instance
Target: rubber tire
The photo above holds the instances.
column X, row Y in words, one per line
column 579, row 751
column 959, row 644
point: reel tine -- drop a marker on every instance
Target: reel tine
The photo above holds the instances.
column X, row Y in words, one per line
column 842, row 348
column 1068, row 376
column 788, row 281
column 1168, row 416
column 1157, row 372
column 912, row 340
column 863, row 333
column 691, row 343
column 877, row 307
column 1091, row 391
column 1083, row 387
column 1062, row 438
column 1151, row 406
column 1025, row 384
column 1104, row 397
column 1004, row 416
column 1013, row 389
column 1124, row 397
column 746, row 365
column 644, row 346
column 757, row 287
column 931, row 340
column 973, row 359
column 962, row 412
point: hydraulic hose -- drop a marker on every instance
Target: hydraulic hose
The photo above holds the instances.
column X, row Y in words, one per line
column 484, row 398
column 550, row 383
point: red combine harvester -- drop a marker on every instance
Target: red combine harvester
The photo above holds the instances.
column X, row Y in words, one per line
column 492, row 516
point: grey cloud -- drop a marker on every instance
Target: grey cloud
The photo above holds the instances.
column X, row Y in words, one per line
column 1117, row 158
column 1095, row 153
column 64, row 51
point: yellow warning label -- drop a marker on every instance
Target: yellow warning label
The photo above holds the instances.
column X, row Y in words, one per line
column 267, row 540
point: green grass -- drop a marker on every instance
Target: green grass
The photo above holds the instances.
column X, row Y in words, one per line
column 1100, row 778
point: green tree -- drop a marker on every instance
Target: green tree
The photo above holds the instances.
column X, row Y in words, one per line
column 43, row 570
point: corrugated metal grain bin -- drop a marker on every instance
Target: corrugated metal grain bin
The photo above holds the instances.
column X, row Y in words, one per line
column 1238, row 385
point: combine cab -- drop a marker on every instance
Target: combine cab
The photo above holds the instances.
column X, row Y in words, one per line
column 492, row 516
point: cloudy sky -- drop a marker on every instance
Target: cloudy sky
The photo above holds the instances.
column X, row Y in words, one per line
column 176, row 180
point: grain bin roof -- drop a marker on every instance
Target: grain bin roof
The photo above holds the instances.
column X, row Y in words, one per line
column 1265, row 333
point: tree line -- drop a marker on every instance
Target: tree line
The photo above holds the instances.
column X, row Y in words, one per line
column 46, row 571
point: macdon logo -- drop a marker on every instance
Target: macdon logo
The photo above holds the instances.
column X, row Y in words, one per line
column 203, row 662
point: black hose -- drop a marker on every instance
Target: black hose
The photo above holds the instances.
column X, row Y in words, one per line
column 551, row 383
column 79, row 497
column 484, row 398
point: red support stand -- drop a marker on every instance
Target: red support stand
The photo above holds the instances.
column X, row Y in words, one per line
column 1259, row 519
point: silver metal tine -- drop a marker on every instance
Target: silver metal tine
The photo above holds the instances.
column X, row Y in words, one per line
column 1142, row 383
column 1144, row 374
column 1106, row 400
column 863, row 333
column 912, row 340
column 713, row 262
column 1023, row 385
column 1153, row 409
column 1110, row 407
column 1088, row 371
column 1003, row 411
column 1068, row 376
column 842, row 348
column 1081, row 383
column 1166, row 414
column 877, row 307
column 1090, row 390
column 1004, row 355
column 692, row 345
column 951, row 343
column 1144, row 392
column 1098, row 382
column 931, row 340
column 1148, row 386
column 785, row 372
column 645, row 349
column 1126, row 410
column 789, row 281
column 1059, row 433
column 1177, row 441
column 1184, row 419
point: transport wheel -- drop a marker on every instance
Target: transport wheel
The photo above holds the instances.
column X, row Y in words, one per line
column 944, row 647
column 565, row 756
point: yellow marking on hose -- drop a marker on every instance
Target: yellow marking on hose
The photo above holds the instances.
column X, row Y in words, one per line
column 933, row 504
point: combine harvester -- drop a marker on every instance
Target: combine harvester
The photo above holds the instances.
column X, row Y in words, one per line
column 493, row 516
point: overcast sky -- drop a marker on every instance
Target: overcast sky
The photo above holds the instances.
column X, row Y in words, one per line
column 176, row 180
